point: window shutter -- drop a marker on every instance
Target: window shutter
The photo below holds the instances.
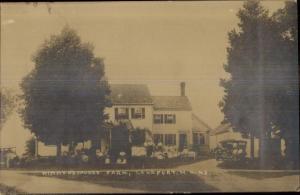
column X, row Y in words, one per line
column 116, row 114
column 174, row 118
column 166, row 139
column 132, row 113
column 127, row 113
column 174, row 139
column 143, row 112
column 166, row 118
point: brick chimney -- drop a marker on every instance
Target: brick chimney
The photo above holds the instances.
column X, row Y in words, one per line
column 182, row 88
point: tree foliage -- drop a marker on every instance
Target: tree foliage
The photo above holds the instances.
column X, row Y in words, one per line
column 262, row 94
column 247, row 92
column 119, row 140
column 286, row 103
column 138, row 136
column 30, row 147
column 66, row 93
column 7, row 103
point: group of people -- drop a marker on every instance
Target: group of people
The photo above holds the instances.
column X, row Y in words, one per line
column 149, row 149
column 158, row 151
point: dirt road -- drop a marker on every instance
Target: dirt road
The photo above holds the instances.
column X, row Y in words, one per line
column 226, row 181
column 35, row 184
column 218, row 179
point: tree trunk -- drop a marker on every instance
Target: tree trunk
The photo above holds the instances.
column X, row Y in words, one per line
column 58, row 149
column 267, row 147
column 36, row 144
column 71, row 147
column 94, row 146
column 251, row 145
column 263, row 152
column 292, row 153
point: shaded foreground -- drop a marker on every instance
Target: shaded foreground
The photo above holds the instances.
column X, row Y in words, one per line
column 150, row 183
column 216, row 179
column 7, row 190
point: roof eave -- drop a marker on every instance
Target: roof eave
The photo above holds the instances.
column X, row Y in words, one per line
column 117, row 104
column 171, row 109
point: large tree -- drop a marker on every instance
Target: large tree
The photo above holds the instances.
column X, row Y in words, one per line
column 252, row 63
column 286, row 103
column 66, row 93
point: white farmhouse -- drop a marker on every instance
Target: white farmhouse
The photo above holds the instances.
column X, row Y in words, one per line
column 169, row 118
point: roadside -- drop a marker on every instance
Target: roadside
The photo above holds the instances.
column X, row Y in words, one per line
column 35, row 184
column 9, row 190
column 213, row 179
column 243, row 180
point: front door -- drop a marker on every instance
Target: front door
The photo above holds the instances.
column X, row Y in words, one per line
column 182, row 141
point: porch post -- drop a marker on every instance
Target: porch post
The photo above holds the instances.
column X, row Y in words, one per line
column 251, row 145
column 36, row 147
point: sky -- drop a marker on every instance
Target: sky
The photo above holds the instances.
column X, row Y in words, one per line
column 155, row 43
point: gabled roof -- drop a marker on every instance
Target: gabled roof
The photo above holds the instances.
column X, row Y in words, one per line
column 199, row 125
column 179, row 103
column 222, row 128
column 130, row 94
column 139, row 94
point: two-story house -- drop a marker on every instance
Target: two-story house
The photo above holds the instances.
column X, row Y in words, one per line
column 169, row 118
column 172, row 120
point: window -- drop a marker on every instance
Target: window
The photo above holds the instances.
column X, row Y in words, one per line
column 170, row 139
column 202, row 139
column 170, row 118
column 121, row 113
column 158, row 118
column 137, row 113
column 158, row 138
column 198, row 139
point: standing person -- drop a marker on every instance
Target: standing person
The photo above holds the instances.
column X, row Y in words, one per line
column 149, row 149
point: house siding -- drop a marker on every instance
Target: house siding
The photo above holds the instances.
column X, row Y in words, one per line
column 183, row 125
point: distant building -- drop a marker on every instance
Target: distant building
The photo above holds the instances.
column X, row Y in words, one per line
column 225, row 132
column 6, row 155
